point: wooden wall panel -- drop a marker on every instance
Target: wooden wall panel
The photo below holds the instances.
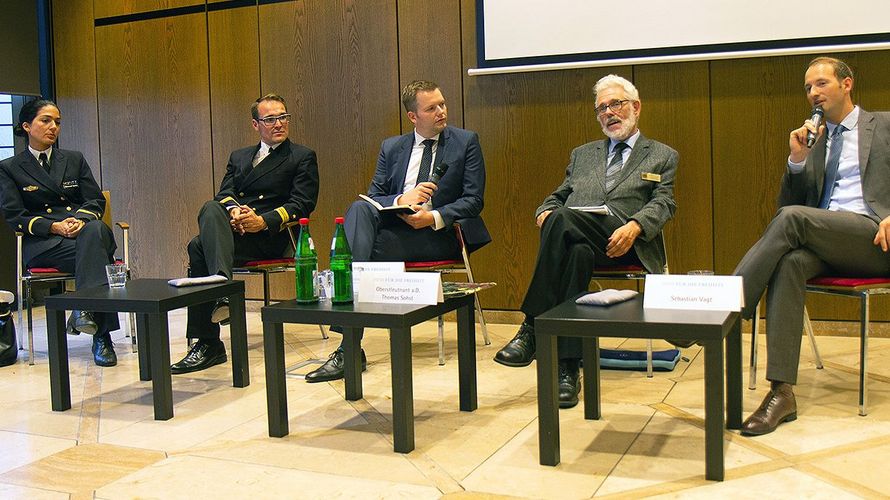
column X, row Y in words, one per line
column 336, row 63
column 676, row 111
column 154, row 111
column 234, row 82
column 75, row 78
column 108, row 8
column 429, row 49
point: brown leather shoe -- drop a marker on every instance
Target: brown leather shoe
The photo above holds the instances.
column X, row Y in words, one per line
column 778, row 406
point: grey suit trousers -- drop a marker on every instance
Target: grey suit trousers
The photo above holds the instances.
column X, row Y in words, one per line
column 801, row 243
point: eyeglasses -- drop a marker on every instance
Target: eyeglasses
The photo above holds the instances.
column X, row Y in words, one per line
column 614, row 106
column 270, row 120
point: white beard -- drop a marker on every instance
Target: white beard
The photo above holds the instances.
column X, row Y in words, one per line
column 627, row 126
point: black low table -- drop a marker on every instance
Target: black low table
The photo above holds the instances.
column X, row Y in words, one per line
column 398, row 318
column 151, row 300
column 630, row 320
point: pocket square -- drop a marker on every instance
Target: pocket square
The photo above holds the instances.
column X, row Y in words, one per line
column 606, row 297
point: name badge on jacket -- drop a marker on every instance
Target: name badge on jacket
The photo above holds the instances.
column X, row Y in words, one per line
column 649, row 176
column 69, row 185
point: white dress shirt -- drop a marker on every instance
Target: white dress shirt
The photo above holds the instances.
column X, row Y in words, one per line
column 414, row 171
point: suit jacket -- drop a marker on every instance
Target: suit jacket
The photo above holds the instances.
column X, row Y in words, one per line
column 805, row 188
column 649, row 202
column 34, row 199
column 461, row 190
column 281, row 188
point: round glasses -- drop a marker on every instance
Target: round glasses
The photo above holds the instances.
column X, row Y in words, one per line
column 614, row 106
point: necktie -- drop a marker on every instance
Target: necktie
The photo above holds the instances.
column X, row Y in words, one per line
column 426, row 161
column 831, row 164
column 43, row 162
column 615, row 165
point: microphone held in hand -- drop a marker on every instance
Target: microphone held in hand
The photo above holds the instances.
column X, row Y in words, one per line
column 438, row 172
column 817, row 121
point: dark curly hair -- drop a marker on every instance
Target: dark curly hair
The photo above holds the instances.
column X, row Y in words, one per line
column 29, row 112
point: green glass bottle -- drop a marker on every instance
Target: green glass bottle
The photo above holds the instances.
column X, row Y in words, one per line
column 306, row 263
column 341, row 265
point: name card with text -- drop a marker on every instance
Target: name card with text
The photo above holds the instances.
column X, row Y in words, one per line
column 400, row 288
column 703, row 293
column 374, row 267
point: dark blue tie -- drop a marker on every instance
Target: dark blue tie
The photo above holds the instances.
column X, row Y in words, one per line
column 831, row 165
column 426, row 161
column 43, row 162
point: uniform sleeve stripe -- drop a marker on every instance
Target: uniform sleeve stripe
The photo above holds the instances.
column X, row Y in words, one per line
column 285, row 218
column 227, row 198
column 88, row 212
column 31, row 223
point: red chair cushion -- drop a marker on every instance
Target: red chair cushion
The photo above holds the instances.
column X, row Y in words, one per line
column 848, row 282
column 620, row 269
column 43, row 270
column 267, row 262
column 433, row 263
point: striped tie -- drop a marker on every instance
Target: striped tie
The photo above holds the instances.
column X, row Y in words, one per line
column 614, row 168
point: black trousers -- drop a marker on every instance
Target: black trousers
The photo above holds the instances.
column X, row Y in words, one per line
column 573, row 243
column 85, row 256
column 215, row 250
column 376, row 237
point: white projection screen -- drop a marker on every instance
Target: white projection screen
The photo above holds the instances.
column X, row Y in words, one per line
column 532, row 35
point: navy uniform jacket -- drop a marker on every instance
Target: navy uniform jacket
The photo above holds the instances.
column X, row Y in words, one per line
column 461, row 190
column 33, row 199
column 281, row 188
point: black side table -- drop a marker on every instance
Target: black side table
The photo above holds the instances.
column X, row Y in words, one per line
column 151, row 300
column 630, row 320
column 398, row 318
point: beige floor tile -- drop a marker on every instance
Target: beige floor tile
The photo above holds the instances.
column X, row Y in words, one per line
column 15, row 492
column 864, row 467
column 588, row 451
column 20, row 449
column 82, row 469
column 175, row 478
column 777, row 484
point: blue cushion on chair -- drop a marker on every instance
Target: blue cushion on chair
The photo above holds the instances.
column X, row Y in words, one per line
column 662, row 361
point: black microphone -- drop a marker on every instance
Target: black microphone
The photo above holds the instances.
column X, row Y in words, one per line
column 817, row 120
column 438, row 172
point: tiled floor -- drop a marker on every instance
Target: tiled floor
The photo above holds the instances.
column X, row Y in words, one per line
column 650, row 441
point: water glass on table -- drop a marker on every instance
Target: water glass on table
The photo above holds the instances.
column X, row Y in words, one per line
column 117, row 275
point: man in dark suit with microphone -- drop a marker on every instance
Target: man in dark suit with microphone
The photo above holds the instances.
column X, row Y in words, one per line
column 265, row 187
column 405, row 167
column 833, row 217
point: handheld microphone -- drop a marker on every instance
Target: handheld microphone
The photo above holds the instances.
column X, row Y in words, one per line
column 817, row 121
column 438, row 172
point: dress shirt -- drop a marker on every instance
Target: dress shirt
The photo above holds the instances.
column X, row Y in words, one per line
column 630, row 141
column 48, row 151
column 263, row 152
column 414, row 170
column 847, row 193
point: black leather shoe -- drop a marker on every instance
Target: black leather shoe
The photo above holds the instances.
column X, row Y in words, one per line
column 778, row 407
column 569, row 383
column 204, row 354
column 521, row 350
column 103, row 350
column 332, row 369
column 220, row 312
column 81, row 322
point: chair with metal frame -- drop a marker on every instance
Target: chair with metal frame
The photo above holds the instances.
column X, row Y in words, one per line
column 453, row 266
column 637, row 274
column 28, row 279
column 862, row 288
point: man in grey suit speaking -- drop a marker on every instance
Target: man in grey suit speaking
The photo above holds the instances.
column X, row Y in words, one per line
column 834, row 217
column 634, row 177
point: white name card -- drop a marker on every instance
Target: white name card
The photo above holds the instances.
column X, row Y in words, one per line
column 400, row 288
column 703, row 293
column 374, row 267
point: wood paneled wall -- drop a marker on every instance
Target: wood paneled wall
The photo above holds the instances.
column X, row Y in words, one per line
column 172, row 95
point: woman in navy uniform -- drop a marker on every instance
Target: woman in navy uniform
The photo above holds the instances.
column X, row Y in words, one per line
column 50, row 195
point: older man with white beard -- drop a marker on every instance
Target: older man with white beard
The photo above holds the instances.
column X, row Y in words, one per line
column 634, row 177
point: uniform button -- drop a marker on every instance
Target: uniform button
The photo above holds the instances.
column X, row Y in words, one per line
column 240, row 194
column 68, row 208
column 63, row 199
column 49, row 210
column 261, row 197
column 20, row 226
